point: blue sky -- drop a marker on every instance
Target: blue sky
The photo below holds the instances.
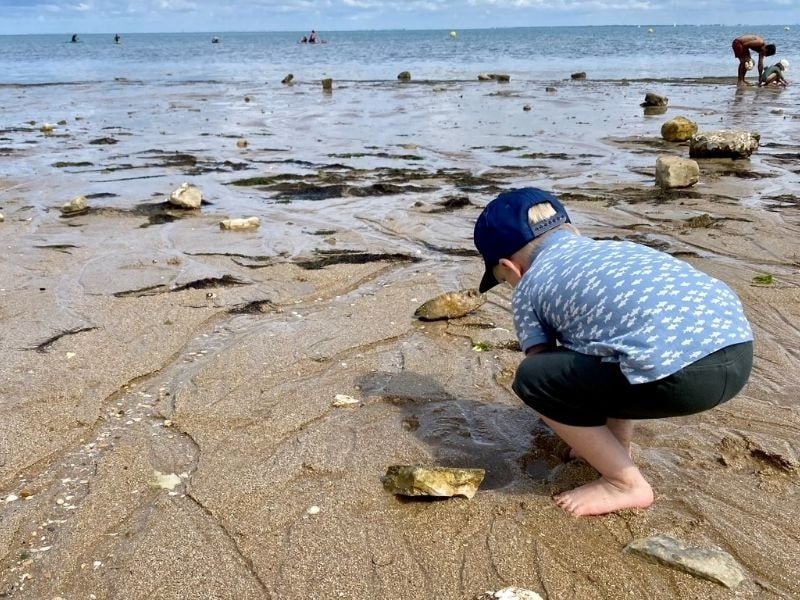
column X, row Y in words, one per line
column 102, row 16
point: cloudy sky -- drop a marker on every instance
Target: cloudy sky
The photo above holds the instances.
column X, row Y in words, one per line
column 101, row 16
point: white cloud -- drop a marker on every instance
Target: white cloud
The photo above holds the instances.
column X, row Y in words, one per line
column 208, row 15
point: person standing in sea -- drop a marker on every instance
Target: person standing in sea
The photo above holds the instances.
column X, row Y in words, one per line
column 742, row 46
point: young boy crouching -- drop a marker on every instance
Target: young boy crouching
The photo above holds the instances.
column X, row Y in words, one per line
column 612, row 332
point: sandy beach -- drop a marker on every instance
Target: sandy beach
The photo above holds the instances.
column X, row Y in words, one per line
column 167, row 387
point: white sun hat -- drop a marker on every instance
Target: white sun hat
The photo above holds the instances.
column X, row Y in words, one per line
column 784, row 63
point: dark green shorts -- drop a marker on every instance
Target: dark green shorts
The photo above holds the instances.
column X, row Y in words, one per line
column 581, row 390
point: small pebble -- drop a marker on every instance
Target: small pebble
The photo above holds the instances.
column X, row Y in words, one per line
column 313, row 510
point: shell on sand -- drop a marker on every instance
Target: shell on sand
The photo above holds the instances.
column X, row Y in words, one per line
column 450, row 305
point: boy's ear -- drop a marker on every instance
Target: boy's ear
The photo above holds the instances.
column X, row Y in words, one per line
column 510, row 267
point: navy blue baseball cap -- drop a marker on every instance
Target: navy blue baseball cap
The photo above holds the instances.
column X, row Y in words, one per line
column 503, row 226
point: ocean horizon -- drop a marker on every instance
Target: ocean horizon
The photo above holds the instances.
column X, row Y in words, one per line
column 534, row 53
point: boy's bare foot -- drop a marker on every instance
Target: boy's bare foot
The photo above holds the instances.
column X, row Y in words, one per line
column 602, row 496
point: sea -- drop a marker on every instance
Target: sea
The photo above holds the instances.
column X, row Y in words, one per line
column 534, row 53
column 130, row 122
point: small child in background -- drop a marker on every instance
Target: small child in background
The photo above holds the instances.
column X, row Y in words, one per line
column 775, row 75
column 613, row 332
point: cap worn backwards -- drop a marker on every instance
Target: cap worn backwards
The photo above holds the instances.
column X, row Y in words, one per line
column 504, row 227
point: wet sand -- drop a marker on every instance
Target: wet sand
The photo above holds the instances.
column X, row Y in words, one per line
column 142, row 341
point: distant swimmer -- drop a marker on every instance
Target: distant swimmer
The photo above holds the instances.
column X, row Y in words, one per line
column 742, row 46
column 312, row 37
column 116, row 38
column 74, row 39
column 304, row 40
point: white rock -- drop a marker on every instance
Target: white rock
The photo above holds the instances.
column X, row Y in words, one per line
column 344, row 400
column 12, row 498
column 186, row 195
column 47, row 128
column 240, row 224
column 711, row 564
column 313, row 510
column 676, row 172
column 167, row 481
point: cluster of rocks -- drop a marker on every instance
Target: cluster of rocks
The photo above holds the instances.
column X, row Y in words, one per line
column 677, row 172
column 417, row 480
column 190, row 197
column 185, row 196
column 714, row 565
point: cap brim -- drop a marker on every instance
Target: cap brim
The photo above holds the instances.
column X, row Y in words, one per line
column 488, row 281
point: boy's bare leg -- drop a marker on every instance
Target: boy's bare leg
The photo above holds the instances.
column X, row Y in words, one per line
column 621, row 485
column 622, row 430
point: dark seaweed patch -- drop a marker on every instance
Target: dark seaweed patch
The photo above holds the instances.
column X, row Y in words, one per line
column 703, row 221
column 451, row 251
column 310, row 191
column 450, row 203
column 150, row 290
column 210, row 282
column 158, row 219
column 63, row 164
column 326, row 258
column 508, row 148
column 267, row 180
column 60, row 247
column 253, row 308
column 43, row 346
column 199, row 284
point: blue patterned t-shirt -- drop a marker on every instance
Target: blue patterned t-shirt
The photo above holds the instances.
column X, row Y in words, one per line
column 650, row 312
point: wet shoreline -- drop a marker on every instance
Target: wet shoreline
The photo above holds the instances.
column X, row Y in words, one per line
column 169, row 385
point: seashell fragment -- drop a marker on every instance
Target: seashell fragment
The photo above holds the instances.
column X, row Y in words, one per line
column 344, row 400
column 450, row 305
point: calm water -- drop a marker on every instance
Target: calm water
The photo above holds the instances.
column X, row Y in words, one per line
column 610, row 52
